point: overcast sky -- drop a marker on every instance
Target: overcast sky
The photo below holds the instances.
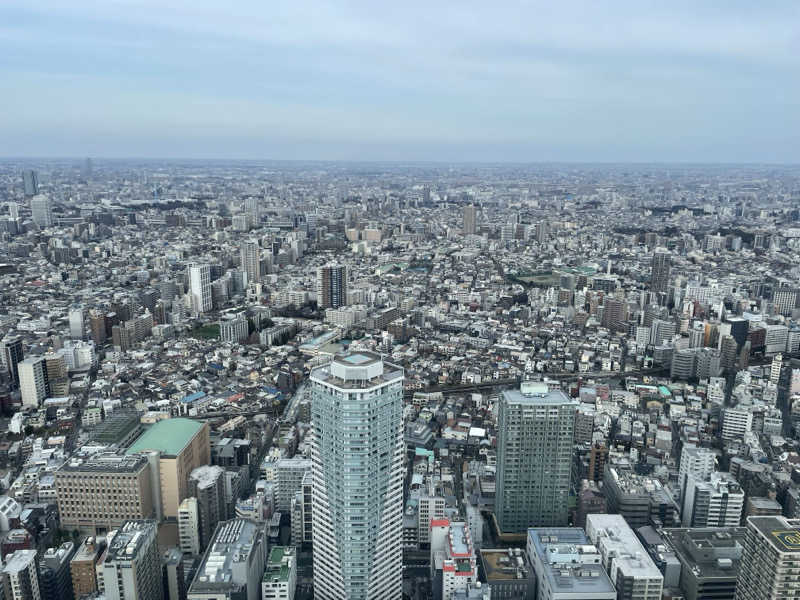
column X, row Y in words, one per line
column 530, row 81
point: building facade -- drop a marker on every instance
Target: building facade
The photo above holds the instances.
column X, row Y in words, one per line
column 534, row 457
column 357, row 450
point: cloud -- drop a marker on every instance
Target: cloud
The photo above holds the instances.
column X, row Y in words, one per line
column 584, row 80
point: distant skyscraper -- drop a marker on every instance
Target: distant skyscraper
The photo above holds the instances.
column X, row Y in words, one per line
column 660, row 271
column 11, row 349
column 41, row 211
column 534, row 457
column 470, row 219
column 251, row 260
column 331, row 286
column 200, row 287
column 357, row 449
column 31, row 182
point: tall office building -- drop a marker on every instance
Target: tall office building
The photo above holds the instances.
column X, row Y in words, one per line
column 357, row 450
column 41, row 211
column 659, row 271
column 33, row 382
column 21, row 576
column 251, row 260
column 30, row 180
column 534, row 457
column 331, row 286
column 132, row 566
column 200, row 287
column 11, row 350
column 470, row 219
column 768, row 569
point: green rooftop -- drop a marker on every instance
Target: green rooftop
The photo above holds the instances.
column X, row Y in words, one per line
column 277, row 570
column 169, row 436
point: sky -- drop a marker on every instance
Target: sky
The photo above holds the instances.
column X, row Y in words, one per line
column 621, row 81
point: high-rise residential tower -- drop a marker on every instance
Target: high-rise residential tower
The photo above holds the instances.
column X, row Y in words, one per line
column 534, row 454
column 251, row 260
column 470, row 219
column 659, row 271
column 357, row 450
column 200, row 287
column 331, row 286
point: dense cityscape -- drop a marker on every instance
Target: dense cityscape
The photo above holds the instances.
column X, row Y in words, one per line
column 246, row 380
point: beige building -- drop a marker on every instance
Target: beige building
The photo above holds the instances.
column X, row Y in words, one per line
column 83, row 567
column 175, row 447
column 102, row 492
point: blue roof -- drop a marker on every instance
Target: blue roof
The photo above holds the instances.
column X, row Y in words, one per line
column 193, row 397
column 216, row 366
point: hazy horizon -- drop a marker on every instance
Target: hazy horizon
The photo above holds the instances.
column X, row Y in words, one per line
column 584, row 83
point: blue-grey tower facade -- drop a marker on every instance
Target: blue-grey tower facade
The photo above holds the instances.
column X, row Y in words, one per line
column 357, row 496
column 535, row 429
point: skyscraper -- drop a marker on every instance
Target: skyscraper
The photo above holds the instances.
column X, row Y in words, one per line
column 31, row 182
column 534, row 453
column 659, row 271
column 357, row 449
column 331, row 286
column 11, row 349
column 470, row 219
column 251, row 260
column 200, row 287
column 41, row 211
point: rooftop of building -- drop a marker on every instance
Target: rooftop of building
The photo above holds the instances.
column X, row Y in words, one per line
column 560, row 551
column 169, row 436
column 129, row 539
column 614, row 533
column 115, row 427
column 206, row 475
column 357, row 370
column 279, row 564
column 709, row 552
column 107, row 462
column 779, row 532
column 19, row 560
column 504, row 563
column 232, row 543
column 87, row 551
column 534, row 394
